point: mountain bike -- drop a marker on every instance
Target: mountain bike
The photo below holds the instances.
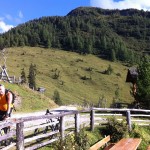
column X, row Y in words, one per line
column 52, row 125
column 5, row 131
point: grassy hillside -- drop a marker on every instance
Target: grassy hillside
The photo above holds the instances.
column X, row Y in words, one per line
column 71, row 67
column 27, row 100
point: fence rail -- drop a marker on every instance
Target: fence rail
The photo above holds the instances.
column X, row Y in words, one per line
column 67, row 122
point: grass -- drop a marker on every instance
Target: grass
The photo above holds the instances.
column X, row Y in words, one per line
column 143, row 133
column 71, row 67
column 29, row 101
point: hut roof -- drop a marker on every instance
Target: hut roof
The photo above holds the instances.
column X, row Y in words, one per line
column 41, row 89
column 132, row 75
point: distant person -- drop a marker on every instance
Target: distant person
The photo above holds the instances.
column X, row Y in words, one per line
column 5, row 103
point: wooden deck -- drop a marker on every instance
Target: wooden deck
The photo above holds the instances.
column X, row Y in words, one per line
column 100, row 143
column 127, row 144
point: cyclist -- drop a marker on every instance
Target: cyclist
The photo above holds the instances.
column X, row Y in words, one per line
column 5, row 103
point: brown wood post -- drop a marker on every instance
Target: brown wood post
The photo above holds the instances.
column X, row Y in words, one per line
column 20, row 136
column 129, row 120
column 92, row 120
column 62, row 127
column 77, row 122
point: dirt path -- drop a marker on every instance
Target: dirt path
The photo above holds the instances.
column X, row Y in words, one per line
column 32, row 123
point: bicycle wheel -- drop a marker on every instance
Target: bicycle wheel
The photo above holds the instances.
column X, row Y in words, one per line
column 4, row 131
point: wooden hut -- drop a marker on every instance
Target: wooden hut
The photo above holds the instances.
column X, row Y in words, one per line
column 132, row 76
column 41, row 89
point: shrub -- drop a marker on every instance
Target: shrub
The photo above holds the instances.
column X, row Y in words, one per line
column 56, row 74
column 118, row 74
column 116, row 129
column 82, row 140
column 56, row 98
column 109, row 70
column 84, row 78
column 73, row 142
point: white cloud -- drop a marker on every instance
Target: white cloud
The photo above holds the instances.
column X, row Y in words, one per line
column 20, row 14
column 123, row 4
column 4, row 27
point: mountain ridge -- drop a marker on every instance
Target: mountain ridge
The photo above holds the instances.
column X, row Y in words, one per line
column 110, row 34
column 122, row 12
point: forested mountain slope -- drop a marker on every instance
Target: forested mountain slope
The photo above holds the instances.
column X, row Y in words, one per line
column 110, row 34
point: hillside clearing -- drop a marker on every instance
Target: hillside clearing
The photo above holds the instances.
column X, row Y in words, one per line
column 81, row 78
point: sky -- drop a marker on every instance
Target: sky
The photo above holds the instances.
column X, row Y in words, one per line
column 15, row 12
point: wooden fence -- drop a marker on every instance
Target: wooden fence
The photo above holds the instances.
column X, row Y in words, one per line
column 23, row 129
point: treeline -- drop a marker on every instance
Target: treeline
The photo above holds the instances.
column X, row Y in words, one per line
column 110, row 34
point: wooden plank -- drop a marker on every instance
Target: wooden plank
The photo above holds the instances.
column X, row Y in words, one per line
column 42, row 144
column 140, row 120
column 62, row 127
column 8, row 135
column 108, row 114
column 45, row 143
column 20, row 136
column 32, row 118
column 9, row 146
column 128, row 113
column 6, row 124
column 127, row 144
column 92, row 120
column 143, row 124
column 100, row 143
column 140, row 115
column 40, row 136
column 77, row 123
column 40, row 126
column 121, row 110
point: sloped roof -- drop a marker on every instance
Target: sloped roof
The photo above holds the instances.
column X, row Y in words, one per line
column 132, row 75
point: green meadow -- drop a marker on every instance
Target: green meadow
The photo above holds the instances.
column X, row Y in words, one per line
column 77, row 78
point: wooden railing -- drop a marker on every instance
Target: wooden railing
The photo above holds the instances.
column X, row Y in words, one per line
column 22, row 129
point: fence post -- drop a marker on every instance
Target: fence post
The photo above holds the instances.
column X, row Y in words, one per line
column 129, row 120
column 92, row 120
column 77, row 123
column 62, row 127
column 19, row 136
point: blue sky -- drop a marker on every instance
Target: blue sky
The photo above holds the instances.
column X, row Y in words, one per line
column 15, row 12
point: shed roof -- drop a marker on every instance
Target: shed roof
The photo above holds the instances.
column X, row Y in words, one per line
column 132, row 75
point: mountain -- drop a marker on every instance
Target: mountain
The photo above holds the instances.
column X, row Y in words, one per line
column 110, row 34
column 79, row 79
column 73, row 53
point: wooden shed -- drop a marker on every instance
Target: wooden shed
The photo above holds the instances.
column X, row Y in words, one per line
column 132, row 75
column 41, row 89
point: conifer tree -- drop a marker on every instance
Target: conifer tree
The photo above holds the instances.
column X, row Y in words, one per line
column 56, row 98
column 23, row 76
column 143, row 82
column 112, row 55
column 31, row 76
